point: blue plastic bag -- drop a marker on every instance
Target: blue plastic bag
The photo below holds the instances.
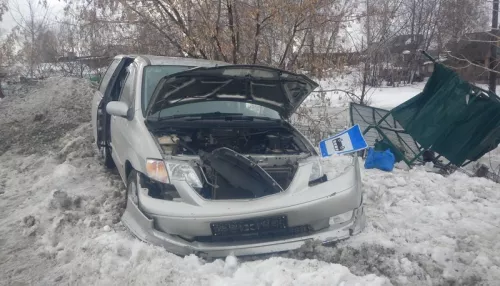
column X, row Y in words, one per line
column 383, row 160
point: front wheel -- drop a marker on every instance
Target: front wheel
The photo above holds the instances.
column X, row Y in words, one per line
column 106, row 155
column 132, row 187
column 130, row 193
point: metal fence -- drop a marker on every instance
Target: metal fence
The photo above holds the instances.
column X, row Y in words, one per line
column 378, row 125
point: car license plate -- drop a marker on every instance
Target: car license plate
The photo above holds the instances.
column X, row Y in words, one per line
column 256, row 226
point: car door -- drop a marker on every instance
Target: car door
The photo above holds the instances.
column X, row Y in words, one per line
column 99, row 94
column 119, row 128
column 106, row 92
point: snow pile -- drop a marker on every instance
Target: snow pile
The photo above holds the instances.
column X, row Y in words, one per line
column 60, row 210
column 60, row 225
column 423, row 228
column 336, row 165
column 36, row 114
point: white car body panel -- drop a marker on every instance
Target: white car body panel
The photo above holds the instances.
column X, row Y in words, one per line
column 322, row 201
column 175, row 224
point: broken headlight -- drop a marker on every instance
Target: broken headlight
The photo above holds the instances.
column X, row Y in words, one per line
column 181, row 171
column 317, row 176
column 158, row 180
column 156, row 170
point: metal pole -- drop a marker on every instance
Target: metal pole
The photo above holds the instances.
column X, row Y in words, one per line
column 493, row 48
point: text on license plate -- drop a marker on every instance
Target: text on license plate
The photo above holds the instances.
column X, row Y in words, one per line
column 249, row 226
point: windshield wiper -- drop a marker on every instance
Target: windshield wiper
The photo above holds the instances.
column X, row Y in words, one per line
column 214, row 116
column 197, row 116
column 234, row 117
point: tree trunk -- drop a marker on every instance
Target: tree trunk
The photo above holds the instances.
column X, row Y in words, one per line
column 288, row 46
column 257, row 33
column 231, row 10
column 366, row 68
column 32, row 31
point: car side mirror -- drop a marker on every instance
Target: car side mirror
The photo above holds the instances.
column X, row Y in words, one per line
column 119, row 108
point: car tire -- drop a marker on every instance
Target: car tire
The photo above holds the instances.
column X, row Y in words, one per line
column 123, row 202
column 106, row 155
column 132, row 187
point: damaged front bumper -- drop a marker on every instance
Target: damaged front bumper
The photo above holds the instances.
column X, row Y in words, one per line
column 143, row 227
column 319, row 206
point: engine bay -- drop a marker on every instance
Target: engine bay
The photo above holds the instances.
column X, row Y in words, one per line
column 242, row 140
column 237, row 163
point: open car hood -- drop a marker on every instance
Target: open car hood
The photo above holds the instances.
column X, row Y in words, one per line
column 270, row 87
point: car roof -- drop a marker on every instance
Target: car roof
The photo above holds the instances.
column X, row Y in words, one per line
column 164, row 60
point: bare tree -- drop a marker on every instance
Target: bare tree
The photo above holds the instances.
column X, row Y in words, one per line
column 269, row 32
column 30, row 25
column 394, row 31
column 3, row 8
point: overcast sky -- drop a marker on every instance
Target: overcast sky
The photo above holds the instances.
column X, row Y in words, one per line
column 55, row 10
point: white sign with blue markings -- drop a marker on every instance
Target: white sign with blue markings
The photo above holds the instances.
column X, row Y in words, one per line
column 348, row 141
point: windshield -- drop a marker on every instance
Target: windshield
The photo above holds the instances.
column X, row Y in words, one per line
column 243, row 108
column 151, row 77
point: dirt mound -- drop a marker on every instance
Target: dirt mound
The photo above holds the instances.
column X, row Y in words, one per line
column 35, row 115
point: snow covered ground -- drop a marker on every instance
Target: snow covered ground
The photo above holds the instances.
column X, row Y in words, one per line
column 59, row 217
column 382, row 97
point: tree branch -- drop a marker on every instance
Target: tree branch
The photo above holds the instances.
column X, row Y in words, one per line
column 162, row 31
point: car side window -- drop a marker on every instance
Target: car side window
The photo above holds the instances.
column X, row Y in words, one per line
column 107, row 76
column 127, row 92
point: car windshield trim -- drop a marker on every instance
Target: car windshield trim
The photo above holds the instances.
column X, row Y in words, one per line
column 144, row 85
column 216, row 114
column 230, row 109
column 212, row 116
